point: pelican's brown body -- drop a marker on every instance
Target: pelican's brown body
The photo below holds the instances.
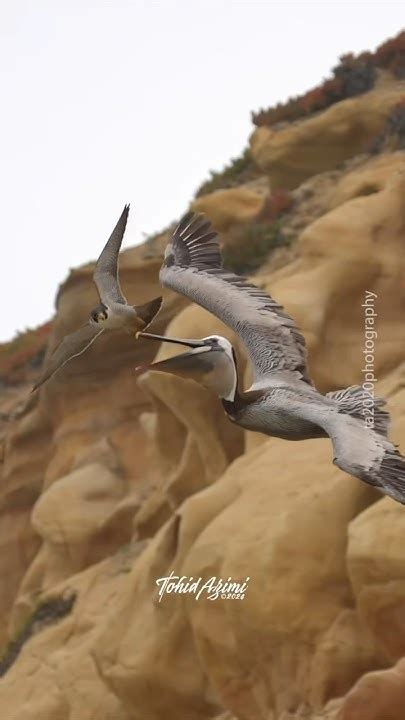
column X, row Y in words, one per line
column 268, row 411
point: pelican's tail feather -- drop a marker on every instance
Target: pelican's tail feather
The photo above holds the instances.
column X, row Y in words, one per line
column 386, row 470
column 364, row 406
column 391, row 475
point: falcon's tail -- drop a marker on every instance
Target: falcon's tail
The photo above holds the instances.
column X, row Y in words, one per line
column 355, row 401
column 148, row 311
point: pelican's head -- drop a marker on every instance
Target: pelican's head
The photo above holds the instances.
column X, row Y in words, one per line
column 211, row 361
column 99, row 314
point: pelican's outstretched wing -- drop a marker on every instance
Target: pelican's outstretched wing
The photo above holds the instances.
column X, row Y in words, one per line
column 71, row 346
column 193, row 267
column 106, row 272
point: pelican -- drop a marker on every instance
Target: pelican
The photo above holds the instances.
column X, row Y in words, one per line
column 282, row 401
column 113, row 312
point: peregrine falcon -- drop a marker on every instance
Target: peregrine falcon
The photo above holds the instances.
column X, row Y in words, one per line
column 113, row 312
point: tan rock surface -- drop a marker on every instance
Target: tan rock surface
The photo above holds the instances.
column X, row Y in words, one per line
column 193, row 442
column 354, row 248
column 377, row 696
column 233, row 206
column 142, row 647
column 375, row 557
column 94, row 399
column 26, row 454
column 324, row 141
column 370, row 177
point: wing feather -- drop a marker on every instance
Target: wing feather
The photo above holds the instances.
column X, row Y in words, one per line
column 193, row 267
column 362, row 452
column 70, row 347
column 106, row 273
column 358, row 450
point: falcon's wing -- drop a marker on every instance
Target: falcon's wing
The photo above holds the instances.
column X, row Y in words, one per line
column 106, row 271
column 71, row 346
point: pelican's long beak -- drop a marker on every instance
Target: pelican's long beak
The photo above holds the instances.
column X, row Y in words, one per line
column 194, row 364
column 206, row 364
column 177, row 341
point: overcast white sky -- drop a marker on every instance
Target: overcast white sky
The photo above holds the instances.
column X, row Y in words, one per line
column 129, row 101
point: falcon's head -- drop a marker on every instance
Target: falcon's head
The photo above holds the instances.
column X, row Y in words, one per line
column 99, row 313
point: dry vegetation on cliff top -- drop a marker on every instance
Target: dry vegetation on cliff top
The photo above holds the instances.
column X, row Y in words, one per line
column 353, row 76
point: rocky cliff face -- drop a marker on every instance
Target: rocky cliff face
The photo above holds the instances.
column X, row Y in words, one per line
column 110, row 481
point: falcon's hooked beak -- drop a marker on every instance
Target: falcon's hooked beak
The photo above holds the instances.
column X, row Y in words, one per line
column 210, row 362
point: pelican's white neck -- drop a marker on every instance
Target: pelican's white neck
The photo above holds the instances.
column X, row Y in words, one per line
column 227, row 387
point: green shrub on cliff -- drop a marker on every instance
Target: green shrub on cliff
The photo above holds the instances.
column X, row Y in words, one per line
column 248, row 246
column 240, row 170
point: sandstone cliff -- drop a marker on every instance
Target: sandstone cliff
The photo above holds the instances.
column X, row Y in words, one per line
column 110, row 481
